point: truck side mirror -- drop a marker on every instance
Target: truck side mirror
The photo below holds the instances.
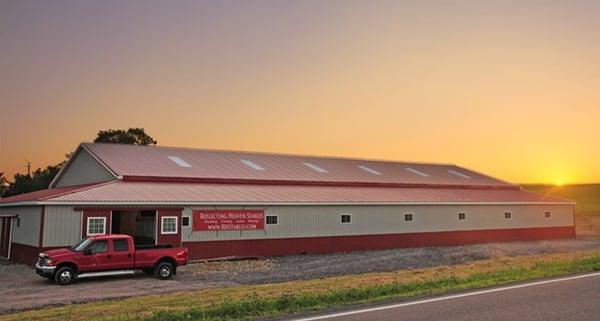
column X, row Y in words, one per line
column 87, row 252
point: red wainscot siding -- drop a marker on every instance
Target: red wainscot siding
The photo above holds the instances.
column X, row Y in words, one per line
column 95, row 213
column 172, row 239
column 24, row 254
column 27, row 254
column 332, row 244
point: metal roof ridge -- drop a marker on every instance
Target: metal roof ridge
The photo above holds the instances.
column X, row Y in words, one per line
column 253, row 152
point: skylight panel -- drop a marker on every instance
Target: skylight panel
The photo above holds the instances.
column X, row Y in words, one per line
column 180, row 162
column 414, row 171
column 370, row 170
column 252, row 164
column 316, row 168
column 459, row 174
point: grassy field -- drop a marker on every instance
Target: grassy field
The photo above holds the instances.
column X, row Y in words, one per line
column 587, row 210
column 587, row 196
column 248, row 302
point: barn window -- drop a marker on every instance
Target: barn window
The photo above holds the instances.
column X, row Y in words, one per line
column 414, row 171
column 462, row 216
column 408, row 217
column 346, row 218
column 459, row 174
column 271, row 220
column 96, row 225
column 547, row 214
column 180, row 162
column 168, row 225
column 316, row 168
column 507, row 215
column 252, row 165
column 18, row 222
column 368, row 169
column 185, row 221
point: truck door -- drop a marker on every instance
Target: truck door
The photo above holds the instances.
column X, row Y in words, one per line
column 122, row 254
column 96, row 257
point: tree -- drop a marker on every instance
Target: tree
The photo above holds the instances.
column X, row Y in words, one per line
column 41, row 178
column 38, row 180
column 132, row 136
column 3, row 184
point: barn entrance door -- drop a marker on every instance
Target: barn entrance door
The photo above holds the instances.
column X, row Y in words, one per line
column 139, row 224
column 5, row 235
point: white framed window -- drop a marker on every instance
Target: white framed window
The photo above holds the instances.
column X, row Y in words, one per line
column 185, row 221
column 409, row 217
column 547, row 214
column 346, row 219
column 168, row 225
column 462, row 216
column 507, row 215
column 96, row 225
column 271, row 220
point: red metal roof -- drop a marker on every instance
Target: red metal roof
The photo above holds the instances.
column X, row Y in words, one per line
column 165, row 193
column 152, row 175
column 43, row 194
column 156, row 163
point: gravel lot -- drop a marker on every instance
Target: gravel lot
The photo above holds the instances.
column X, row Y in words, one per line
column 22, row 289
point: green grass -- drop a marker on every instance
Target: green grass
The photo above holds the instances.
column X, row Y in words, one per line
column 255, row 306
column 587, row 196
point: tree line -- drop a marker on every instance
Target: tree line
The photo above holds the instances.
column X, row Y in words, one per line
column 40, row 178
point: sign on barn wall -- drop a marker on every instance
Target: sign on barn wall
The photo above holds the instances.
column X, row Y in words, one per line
column 228, row 220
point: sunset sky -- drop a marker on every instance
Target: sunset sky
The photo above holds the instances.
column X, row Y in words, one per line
column 509, row 88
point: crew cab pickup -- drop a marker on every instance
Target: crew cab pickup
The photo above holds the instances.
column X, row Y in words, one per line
column 104, row 255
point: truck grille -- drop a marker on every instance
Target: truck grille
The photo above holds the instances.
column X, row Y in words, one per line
column 40, row 261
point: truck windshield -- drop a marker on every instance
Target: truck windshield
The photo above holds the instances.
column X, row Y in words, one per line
column 81, row 245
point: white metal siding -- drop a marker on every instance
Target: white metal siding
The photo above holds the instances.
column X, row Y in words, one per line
column 62, row 226
column 310, row 221
column 28, row 231
column 84, row 169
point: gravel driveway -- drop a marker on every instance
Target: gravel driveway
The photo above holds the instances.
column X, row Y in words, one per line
column 22, row 289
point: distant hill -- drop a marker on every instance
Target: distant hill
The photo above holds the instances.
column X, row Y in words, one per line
column 587, row 196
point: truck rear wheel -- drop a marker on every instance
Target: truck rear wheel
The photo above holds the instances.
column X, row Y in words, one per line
column 164, row 270
column 65, row 275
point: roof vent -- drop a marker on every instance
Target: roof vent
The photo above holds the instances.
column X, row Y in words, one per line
column 316, row 168
column 370, row 170
column 414, row 171
column 252, row 164
column 180, row 162
column 459, row 174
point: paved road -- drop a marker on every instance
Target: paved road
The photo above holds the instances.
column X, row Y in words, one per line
column 569, row 299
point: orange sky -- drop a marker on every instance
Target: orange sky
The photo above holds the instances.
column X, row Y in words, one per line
column 509, row 88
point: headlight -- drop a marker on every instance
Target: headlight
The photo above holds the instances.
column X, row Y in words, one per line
column 47, row 261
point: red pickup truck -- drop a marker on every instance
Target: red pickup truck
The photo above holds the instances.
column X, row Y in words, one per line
column 109, row 255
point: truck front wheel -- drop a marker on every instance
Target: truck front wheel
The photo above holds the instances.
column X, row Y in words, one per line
column 164, row 270
column 65, row 275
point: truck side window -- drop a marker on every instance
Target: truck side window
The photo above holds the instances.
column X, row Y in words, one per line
column 120, row 245
column 99, row 247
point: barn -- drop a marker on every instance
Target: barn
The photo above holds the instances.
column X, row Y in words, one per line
column 239, row 204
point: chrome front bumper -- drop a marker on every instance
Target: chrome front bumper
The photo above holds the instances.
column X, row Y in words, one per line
column 44, row 270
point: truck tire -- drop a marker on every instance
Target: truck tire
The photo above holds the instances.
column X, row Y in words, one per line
column 164, row 270
column 65, row 275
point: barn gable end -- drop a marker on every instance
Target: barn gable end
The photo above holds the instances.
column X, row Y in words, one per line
column 82, row 168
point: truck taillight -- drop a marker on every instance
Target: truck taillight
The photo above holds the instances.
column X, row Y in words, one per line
column 181, row 253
